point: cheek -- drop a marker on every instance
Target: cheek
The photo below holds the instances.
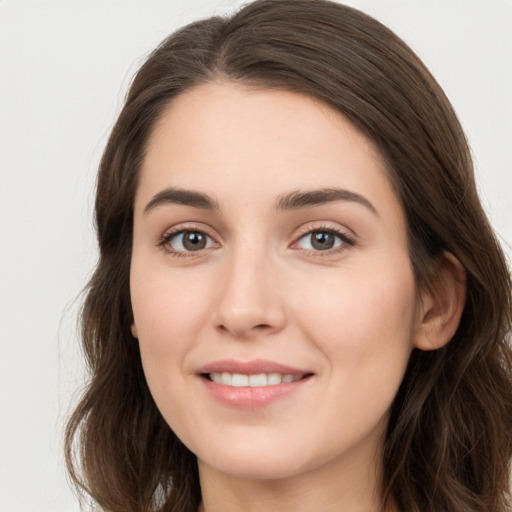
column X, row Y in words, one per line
column 168, row 313
column 363, row 323
column 166, row 304
column 363, row 329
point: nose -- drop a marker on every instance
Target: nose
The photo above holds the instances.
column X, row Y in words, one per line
column 250, row 302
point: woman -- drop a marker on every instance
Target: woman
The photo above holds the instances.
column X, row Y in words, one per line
column 299, row 303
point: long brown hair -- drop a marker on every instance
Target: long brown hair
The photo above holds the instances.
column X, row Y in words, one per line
column 449, row 440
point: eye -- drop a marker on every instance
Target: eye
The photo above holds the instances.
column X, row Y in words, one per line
column 323, row 240
column 187, row 241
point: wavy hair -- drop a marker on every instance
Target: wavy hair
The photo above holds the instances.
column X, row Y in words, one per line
column 449, row 440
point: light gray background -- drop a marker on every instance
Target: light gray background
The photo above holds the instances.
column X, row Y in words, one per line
column 64, row 68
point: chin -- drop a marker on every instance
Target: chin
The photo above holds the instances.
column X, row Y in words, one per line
column 257, row 461
column 262, row 469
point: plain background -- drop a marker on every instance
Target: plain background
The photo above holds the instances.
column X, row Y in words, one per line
column 64, row 68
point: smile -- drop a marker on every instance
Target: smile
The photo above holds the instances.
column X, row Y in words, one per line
column 250, row 385
column 238, row 380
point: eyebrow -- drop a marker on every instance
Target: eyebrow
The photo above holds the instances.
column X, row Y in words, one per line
column 191, row 198
column 291, row 201
column 303, row 199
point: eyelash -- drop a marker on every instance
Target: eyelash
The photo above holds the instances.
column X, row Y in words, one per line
column 165, row 241
column 346, row 240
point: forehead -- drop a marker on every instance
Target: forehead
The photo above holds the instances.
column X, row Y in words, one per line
column 226, row 137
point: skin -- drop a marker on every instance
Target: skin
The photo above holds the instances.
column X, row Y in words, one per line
column 260, row 290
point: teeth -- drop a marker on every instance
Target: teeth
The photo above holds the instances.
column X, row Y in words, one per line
column 258, row 380
column 273, row 378
column 238, row 380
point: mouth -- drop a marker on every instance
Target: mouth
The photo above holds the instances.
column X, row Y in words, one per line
column 238, row 380
column 253, row 384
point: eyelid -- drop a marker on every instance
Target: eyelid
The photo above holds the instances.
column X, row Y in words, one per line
column 348, row 240
column 171, row 233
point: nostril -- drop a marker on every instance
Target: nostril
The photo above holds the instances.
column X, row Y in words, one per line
column 244, row 330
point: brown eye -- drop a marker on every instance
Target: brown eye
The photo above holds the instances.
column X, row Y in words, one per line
column 193, row 241
column 189, row 241
column 323, row 240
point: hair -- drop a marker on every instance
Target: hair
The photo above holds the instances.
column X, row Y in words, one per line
column 449, row 441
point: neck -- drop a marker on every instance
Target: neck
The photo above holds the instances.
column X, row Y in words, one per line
column 354, row 488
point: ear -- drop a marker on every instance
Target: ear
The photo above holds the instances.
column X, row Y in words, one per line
column 133, row 328
column 442, row 305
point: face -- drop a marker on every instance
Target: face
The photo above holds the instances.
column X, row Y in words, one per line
column 272, row 291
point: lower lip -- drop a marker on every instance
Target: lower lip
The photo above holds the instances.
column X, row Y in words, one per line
column 247, row 397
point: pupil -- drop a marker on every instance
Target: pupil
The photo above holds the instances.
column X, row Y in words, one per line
column 194, row 241
column 323, row 241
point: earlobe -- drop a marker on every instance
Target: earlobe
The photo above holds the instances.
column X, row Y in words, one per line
column 133, row 328
column 442, row 305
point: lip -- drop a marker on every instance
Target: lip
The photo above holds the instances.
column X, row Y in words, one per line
column 250, row 367
column 251, row 397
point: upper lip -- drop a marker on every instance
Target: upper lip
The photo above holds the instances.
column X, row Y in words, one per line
column 250, row 367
